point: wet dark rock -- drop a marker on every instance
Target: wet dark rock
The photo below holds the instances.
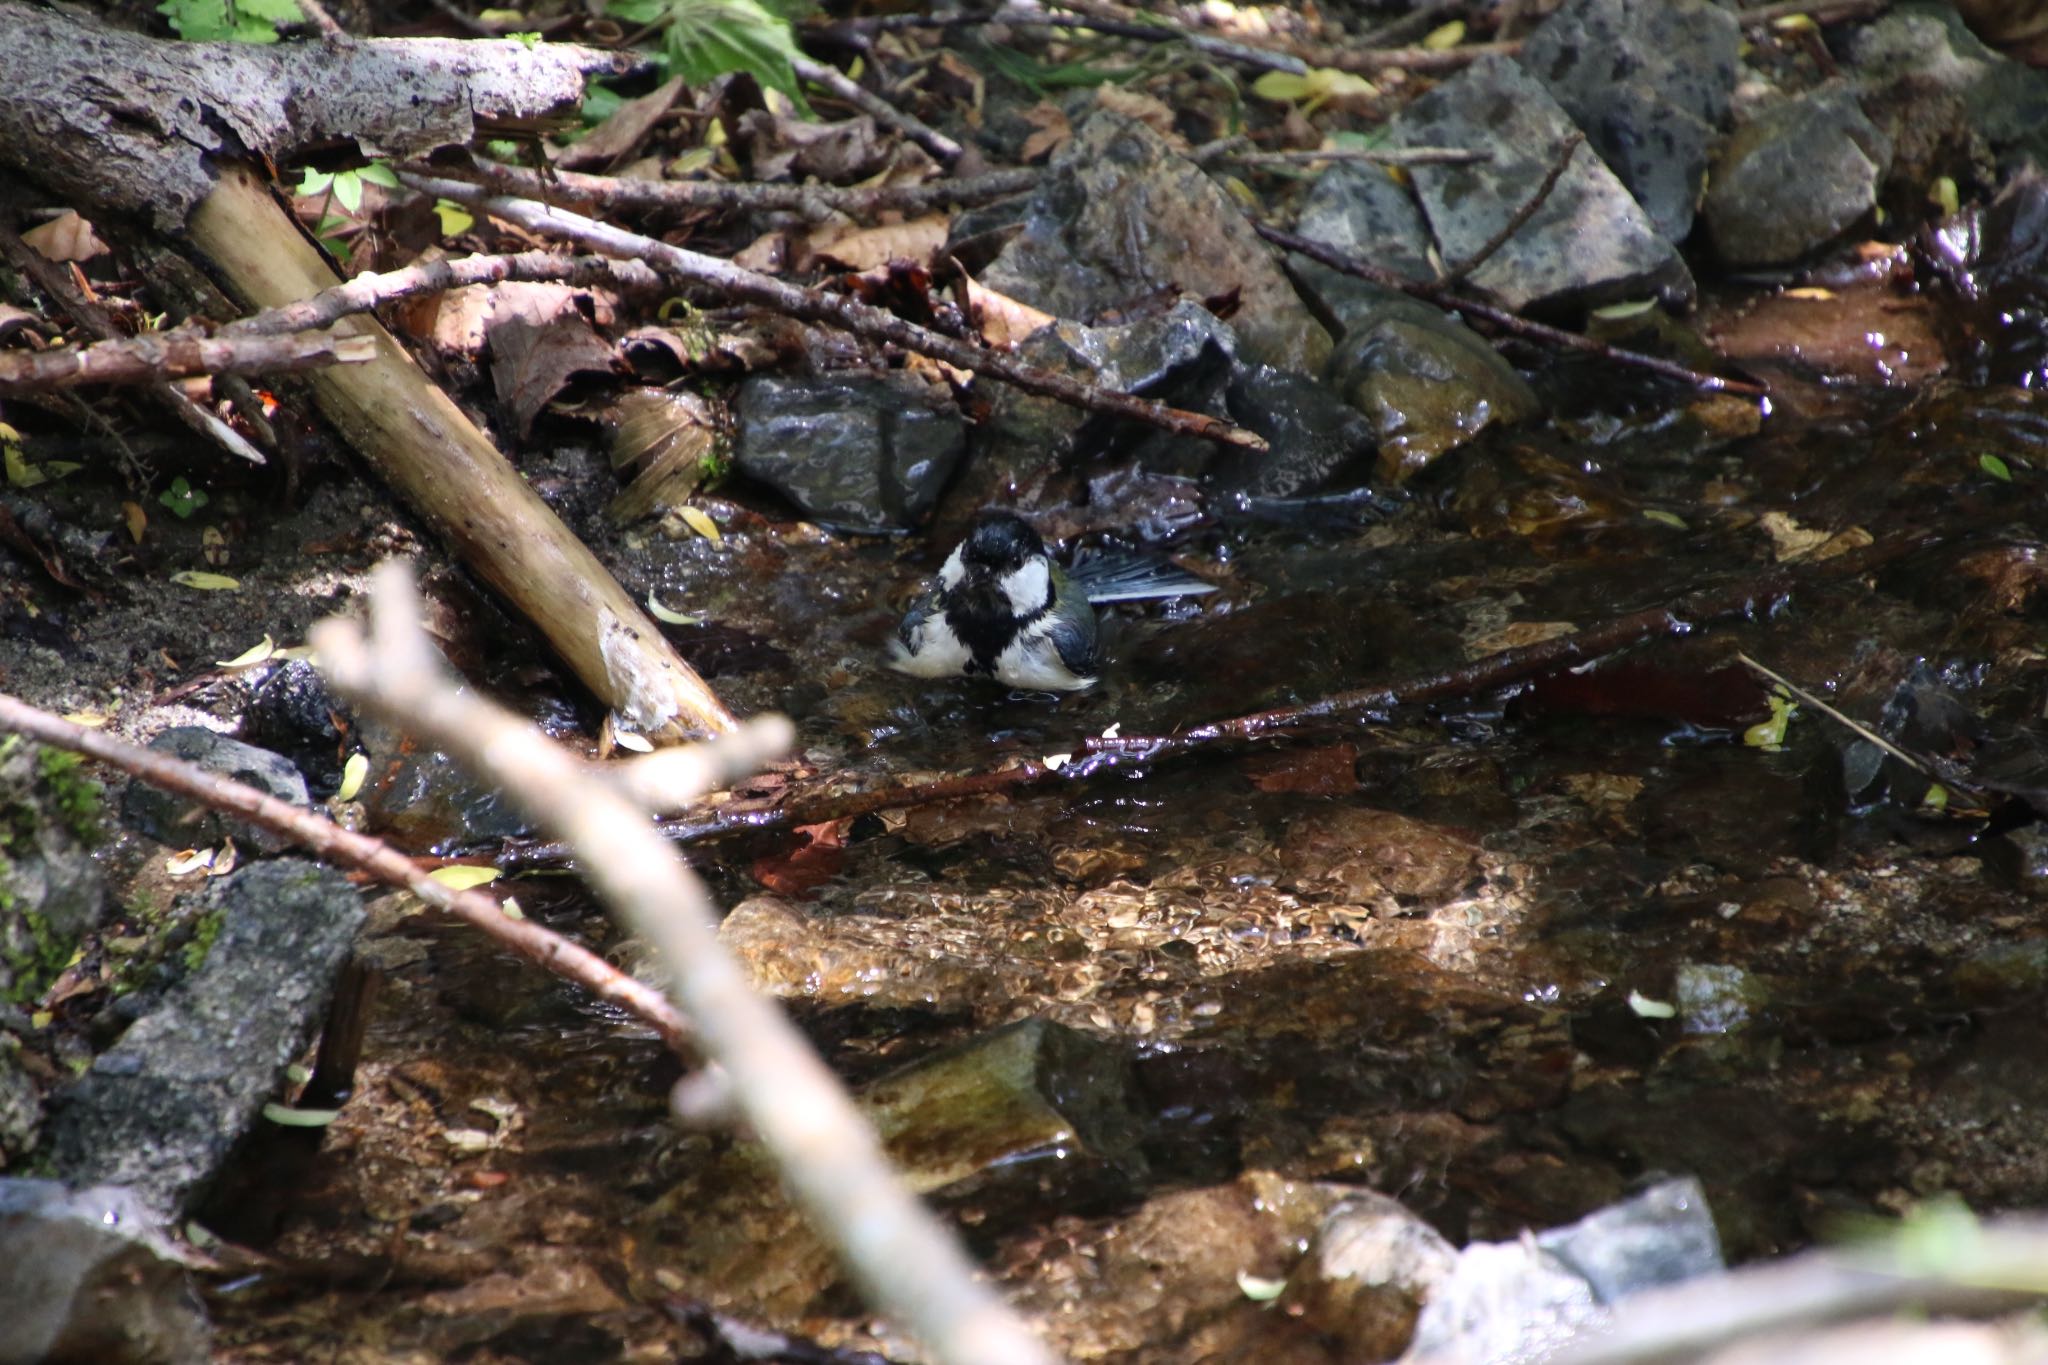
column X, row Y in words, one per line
column 161, row 1110
column 2020, row 858
column 1518, row 1300
column 185, row 823
column 1122, row 216
column 1650, row 84
column 1589, row 244
column 1315, row 440
column 1428, row 383
column 1948, row 104
column 91, row 1277
column 421, row 798
column 1366, row 1276
column 1792, row 179
column 1027, row 1117
column 51, row 888
column 294, row 713
column 864, row 452
column 1363, row 212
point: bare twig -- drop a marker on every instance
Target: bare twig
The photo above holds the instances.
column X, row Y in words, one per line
column 367, row 292
column 1820, row 11
column 859, row 33
column 374, row 857
column 1520, row 217
column 1370, row 59
column 1936, row 771
column 1241, row 151
column 620, row 194
column 911, row 1267
column 59, row 286
column 1500, row 317
column 831, row 78
column 155, row 357
column 860, row 318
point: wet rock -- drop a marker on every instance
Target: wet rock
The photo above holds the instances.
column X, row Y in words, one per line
column 1122, row 216
column 1948, row 104
column 184, row 823
column 1519, row 1300
column 2020, row 858
column 1650, row 84
column 1002, row 1127
column 1793, row 178
column 1428, row 384
column 422, row 798
column 90, row 1277
column 1589, row 244
column 1363, row 855
column 51, row 888
column 1366, row 1276
column 21, row 1106
column 1315, row 440
column 863, row 452
column 161, row 1109
column 1363, row 212
column 295, row 713
column 1716, row 997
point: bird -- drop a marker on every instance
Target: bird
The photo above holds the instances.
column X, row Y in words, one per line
column 1001, row 608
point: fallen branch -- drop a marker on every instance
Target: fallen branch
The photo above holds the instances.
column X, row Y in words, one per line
column 1242, row 151
column 365, row 293
column 155, row 357
column 831, row 78
column 1501, row 317
column 618, row 194
column 859, row 33
column 862, row 319
column 380, row 861
column 911, row 1267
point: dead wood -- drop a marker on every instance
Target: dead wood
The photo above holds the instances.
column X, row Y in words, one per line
column 134, row 128
column 157, row 356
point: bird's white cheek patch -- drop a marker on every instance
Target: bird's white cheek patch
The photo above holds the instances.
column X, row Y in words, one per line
column 1029, row 588
column 953, row 570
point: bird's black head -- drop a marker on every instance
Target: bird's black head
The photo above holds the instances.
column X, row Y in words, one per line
column 1000, row 542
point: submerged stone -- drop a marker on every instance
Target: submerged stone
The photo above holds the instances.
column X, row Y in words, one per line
column 863, row 452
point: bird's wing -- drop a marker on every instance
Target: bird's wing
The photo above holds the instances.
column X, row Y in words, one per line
column 1133, row 578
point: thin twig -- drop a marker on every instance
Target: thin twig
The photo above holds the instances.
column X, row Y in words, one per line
column 911, row 1267
column 1820, row 11
column 859, row 33
column 367, row 292
column 373, row 857
column 1520, row 217
column 1241, row 151
column 831, row 78
column 155, row 357
column 1500, row 317
column 1946, row 774
column 859, row 318
column 620, row 194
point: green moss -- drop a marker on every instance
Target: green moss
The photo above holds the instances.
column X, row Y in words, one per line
column 76, row 796
column 38, row 962
column 205, row 930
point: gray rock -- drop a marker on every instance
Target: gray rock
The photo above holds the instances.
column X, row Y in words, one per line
column 1949, row 104
column 868, row 452
column 1513, row 1301
column 1122, row 216
column 89, row 1276
column 184, row 823
column 1315, row 440
column 1589, row 244
column 1649, row 82
column 1790, row 180
column 51, row 888
column 1427, row 383
column 21, row 1106
column 1362, row 212
column 161, row 1109
column 1366, row 1276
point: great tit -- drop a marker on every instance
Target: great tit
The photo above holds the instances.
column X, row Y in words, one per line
column 1001, row 608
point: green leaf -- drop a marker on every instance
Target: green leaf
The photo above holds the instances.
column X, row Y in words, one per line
column 600, row 102
column 526, row 37
column 377, row 173
column 248, row 21
column 455, row 219
column 1995, row 467
column 636, row 11
column 348, row 189
column 314, row 182
column 182, row 498
column 708, row 38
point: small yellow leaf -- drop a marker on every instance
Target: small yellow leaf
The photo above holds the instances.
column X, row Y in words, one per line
column 286, row 1116
column 1281, row 85
column 663, row 614
column 1616, row 312
column 698, row 520
column 1259, row 1290
column 690, row 162
column 1811, row 293
column 254, row 654
column 463, row 876
column 205, row 582
column 512, row 908
column 135, row 519
column 1770, row 735
column 1943, row 194
column 352, row 774
column 91, row 720
column 1445, row 37
column 20, row 473
column 1796, row 23
column 189, row 861
column 455, row 219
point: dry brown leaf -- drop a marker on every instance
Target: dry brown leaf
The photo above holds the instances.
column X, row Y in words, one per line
column 868, row 248
column 618, row 135
column 1052, row 129
column 1136, row 104
column 1003, row 320
column 67, row 237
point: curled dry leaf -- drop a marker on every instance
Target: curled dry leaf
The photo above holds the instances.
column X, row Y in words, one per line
column 1002, row 320
column 1050, row 129
column 67, row 237
column 918, row 241
column 1144, row 108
